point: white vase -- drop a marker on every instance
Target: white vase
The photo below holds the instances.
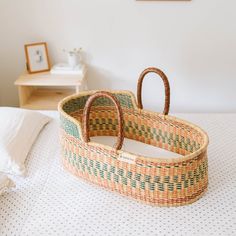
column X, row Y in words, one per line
column 73, row 59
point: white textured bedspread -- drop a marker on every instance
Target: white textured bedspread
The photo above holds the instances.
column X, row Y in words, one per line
column 50, row 201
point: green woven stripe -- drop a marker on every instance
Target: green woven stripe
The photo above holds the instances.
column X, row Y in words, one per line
column 147, row 132
column 117, row 175
column 79, row 103
column 69, row 127
column 75, row 104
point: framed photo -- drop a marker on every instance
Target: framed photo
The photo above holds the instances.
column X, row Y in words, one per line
column 37, row 57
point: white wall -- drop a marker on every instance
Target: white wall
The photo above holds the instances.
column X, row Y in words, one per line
column 193, row 42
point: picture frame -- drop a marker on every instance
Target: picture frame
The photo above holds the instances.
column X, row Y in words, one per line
column 37, row 59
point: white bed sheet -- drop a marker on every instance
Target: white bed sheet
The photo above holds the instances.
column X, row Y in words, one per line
column 50, row 201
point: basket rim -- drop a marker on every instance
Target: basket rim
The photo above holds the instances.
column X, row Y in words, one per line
column 183, row 158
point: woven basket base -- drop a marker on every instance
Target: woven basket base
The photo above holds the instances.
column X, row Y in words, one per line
column 65, row 166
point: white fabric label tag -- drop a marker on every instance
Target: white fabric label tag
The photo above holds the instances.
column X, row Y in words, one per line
column 126, row 157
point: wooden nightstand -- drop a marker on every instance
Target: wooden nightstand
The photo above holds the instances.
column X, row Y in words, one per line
column 43, row 91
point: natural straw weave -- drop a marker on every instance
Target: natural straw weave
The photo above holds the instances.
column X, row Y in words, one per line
column 157, row 181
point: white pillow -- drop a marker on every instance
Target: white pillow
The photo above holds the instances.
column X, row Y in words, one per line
column 19, row 129
column 5, row 183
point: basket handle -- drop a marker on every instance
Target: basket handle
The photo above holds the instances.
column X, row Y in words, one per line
column 166, row 84
column 87, row 110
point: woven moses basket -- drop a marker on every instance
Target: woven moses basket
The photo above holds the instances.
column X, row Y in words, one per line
column 157, row 181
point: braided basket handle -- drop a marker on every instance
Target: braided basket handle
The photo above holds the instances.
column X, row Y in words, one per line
column 87, row 110
column 166, row 84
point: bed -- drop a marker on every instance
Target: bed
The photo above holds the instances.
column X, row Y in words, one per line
column 50, row 201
